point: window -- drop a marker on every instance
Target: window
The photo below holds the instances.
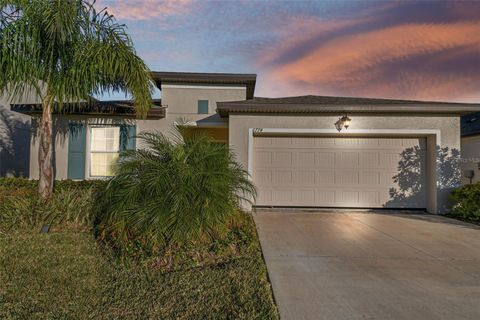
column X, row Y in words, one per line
column 202, row 106
column 104, row 150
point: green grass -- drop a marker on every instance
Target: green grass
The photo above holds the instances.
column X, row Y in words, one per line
column 65, row 276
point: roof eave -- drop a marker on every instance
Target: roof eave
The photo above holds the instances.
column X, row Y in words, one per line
column 225, row 108
column 156, row 112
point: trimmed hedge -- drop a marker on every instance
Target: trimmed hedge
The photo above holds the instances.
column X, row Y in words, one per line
column 466, row 202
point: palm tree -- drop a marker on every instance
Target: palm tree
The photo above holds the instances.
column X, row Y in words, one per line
column 175, row 189
column 66, row 51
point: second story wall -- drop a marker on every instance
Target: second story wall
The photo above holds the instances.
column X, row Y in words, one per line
column 189, row 99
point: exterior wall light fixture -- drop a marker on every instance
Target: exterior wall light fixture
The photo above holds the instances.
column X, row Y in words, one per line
column 343, row 122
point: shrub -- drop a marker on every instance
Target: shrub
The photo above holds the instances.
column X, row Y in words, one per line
column 72, row 204
column 466, row 202
column 176, row 189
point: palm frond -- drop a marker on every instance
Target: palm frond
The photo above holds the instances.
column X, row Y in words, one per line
column 71, row 49
column 174, row 190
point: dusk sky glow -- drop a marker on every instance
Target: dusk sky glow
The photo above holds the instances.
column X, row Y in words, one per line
column 410, row 50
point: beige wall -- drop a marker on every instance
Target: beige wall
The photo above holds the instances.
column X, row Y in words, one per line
column 444, row 178
column 471, row 157
column 181, row 102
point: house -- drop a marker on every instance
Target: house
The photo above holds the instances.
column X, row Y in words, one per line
column 470, row 143
column 307, row 151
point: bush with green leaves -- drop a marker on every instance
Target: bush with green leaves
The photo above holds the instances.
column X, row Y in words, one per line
column 466, row 202
column 175, row 189
column 72, row 204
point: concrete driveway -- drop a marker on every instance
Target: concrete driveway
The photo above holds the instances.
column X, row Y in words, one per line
column 331, row 265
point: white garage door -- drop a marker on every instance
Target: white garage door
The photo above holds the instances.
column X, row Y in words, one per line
column 340, row 172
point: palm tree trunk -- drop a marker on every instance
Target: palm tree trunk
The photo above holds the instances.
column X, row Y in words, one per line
column 45, row 151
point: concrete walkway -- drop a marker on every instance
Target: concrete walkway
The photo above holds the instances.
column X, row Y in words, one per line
column 330, row 265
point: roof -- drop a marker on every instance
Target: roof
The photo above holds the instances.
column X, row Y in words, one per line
column 248, row 80
column 328, row 104
column 96, row 107
column 470, row 124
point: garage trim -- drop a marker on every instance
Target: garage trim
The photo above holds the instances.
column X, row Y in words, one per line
column 433, row 138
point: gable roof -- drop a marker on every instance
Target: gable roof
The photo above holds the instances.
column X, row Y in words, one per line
column 245, row 79
column 329, row 104
column 470, row 124
column 95, row 107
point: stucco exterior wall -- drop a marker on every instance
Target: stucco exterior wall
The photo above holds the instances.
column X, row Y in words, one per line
column 182, row 103
column 471, row 157
column 182, row 100
column 445, row 172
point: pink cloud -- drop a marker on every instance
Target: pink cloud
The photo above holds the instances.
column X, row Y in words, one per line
column 360, row 64
column 145, row 9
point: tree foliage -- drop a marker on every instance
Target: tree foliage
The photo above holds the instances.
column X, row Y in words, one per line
column 69, row 50
column 176, row 188
column 66, row 51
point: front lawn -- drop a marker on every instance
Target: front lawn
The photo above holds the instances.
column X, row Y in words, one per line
column 65, row 275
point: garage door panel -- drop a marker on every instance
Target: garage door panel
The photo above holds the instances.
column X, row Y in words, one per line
column 369, row 159
column 369, row 178
column 282, row 178
column 346, row 142
column 282, row 159
column 349, row 198
column 346, row 159
column 282, row 195
column 368, row 143
column 389, row 160
column 324, row 143
column 368, row 198
column 324, row 197
column 326, row 178
column 302, row 142
column 305, row 195
column 386, row 177
column 263, row 158
column 336, row 172
column 387, row 142
column 325, row 159
column 306, row 178
column 306, row 159
column 263, row 178
column 346, row 177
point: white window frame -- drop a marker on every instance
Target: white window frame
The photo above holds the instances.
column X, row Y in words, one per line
column 89, row 151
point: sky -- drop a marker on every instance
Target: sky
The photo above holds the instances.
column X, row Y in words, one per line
column 387, row 49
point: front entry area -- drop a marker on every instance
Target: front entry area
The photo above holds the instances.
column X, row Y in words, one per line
column 351, row 172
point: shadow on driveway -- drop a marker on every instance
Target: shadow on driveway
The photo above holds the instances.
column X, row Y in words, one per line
column 333, row 265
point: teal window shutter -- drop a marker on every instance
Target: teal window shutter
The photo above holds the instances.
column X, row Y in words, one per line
column 202, row 106
column 77, row 139
column 128, row 137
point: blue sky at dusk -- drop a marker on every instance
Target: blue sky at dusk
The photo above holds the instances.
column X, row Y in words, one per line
column 412, row 50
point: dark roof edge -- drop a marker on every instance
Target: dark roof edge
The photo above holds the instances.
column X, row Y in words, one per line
column 122, row 108
column 225, row 108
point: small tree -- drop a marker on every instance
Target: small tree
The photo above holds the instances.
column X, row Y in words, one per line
column 175, row 189
column 66, row 51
